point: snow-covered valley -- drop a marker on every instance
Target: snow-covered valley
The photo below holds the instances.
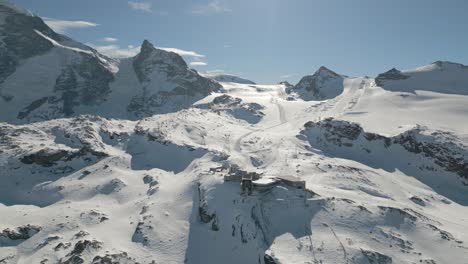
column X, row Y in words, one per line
column 138, row 175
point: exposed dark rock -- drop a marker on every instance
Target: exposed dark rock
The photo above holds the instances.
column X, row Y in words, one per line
column 205, row 217
column 47, row 241
column 83, row 81
column 444, row 234
column 214, row 224
column 286, row 84
column 18, row 235
column 115, row 185
column 80, row 234
column 392, row 74
column 82, row 245
column 45, row 157
column 139, row 235
column 417, row 200
column 21, row 40
column 118, row 258
column 33, row 106
column 185, row 86
column 323, row 84
column 250, row 112
column 396, row 239
column 397, row 214
column 442, row 147
column 267, row 259
column 337, row 130
column 376, row 257
column 94, row 216
column 62, row 246
column 72, row 260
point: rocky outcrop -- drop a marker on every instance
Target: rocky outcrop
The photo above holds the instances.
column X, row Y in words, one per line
column 374, row 257
column 167, row 82
column 19, row 39
column 392, row 74
column 81, row 247
column 323, row 84
column 49, row 157
column 15, row 236
column 440, row 77
column 235, row 107
column 121, row 258
column 443, row 148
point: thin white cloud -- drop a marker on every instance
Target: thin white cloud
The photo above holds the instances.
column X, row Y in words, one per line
column 110, row 39
column 115, row 51
column 212, row 73
column 182, row 52
column 198, row 63
column 286, row 76
column 212, row 7
column 141, row 6
column 61, row 26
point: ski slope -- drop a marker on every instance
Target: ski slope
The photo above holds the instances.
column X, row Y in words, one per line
column 152, row 180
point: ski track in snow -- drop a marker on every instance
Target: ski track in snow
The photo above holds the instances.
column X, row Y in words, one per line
column 160, row 218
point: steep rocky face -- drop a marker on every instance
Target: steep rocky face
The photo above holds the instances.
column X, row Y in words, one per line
column 71, row 74
column 323, row 84
column 44, row 75
column 167, row 82
column 19, row 41
column 392, row 74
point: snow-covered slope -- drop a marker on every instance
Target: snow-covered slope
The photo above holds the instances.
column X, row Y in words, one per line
column 44, row 75
column 229, row 78
column 440, row 77
column 384, row 161
column 69, row 184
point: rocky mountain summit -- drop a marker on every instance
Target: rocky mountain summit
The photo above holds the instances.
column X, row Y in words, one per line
column 66, row 78
column 323, row 84
column 167, row 83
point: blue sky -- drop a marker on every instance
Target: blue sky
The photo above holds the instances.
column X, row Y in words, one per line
column 272, row 40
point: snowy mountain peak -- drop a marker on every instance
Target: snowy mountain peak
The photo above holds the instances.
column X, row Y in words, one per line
column 392, row 74
column 229, row 78
column 440, row 77
column 146, row 45
column 324, row 71
column 449, row 65
column 151, row 58
column 167, row 83
column 4, row 4
column 323, row 84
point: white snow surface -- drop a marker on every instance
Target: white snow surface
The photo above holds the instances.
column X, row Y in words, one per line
column 386, row 168
column 145, row 187
column 228, row 78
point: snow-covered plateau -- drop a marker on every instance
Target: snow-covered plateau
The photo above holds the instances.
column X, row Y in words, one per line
column 139, row 160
